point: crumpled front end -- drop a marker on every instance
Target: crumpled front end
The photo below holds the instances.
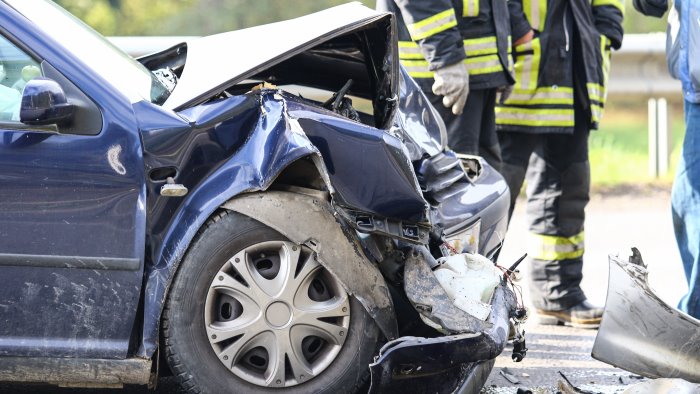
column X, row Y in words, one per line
column 304, row 143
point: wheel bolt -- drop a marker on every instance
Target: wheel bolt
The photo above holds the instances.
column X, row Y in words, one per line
column 301, row 377
column 342, row 333
column 213, row 337
column 295, row 248
column 222, row 278
column 279, row 381
column 238, row 260
column 262, row 255
column 345, row 309
column 225, row 357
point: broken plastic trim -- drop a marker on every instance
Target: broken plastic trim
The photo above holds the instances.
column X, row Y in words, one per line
column 642, row 334
column 368, row 223
column 442, row 364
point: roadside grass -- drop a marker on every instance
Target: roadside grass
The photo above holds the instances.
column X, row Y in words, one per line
column 618, row 151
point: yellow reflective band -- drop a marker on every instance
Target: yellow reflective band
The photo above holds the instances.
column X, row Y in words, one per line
column 596, row 92
column 600, row 89
column 619, row 4
column 536, row 11
column 409, row 50
column 433, row 25
column 553, row 248
column 483, row 64
column 596, row 113
column 417, row 68
column 510, row 44
column 535, row 117
column 527, row 67
column 480, row 46
column 545, row 95
column 476, row 66
column 470, row 8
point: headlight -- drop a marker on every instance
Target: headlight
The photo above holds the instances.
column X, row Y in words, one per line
column 467, row 240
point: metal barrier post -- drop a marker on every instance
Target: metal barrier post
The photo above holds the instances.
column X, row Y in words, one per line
column 653, row 138
column 659, row 138
column 663, row 142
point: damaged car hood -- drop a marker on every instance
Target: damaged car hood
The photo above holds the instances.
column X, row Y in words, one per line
column 222, row 60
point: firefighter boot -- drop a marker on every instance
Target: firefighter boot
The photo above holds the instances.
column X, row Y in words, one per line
column 583, row 315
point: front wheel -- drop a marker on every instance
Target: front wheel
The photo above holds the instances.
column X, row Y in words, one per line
column 250, row 311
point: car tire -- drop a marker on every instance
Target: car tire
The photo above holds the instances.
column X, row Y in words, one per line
column 196, row 309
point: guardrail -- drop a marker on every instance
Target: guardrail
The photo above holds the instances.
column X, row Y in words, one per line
column 638, row 68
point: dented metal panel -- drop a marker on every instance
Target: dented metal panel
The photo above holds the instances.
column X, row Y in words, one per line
column 309, row 221
column 241, row 144
column 240, row 54
column 642, row 334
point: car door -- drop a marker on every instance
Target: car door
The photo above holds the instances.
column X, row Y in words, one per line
column 72, row 221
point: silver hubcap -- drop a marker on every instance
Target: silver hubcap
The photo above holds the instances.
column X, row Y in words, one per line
column 274, row 316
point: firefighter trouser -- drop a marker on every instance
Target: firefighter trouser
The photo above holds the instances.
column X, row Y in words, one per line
column 474, row 131
column 558, row 180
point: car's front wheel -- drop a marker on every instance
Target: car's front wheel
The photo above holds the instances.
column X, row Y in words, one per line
column 250, row 311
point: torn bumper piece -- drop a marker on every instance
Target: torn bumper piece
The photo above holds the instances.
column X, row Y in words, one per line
column 455, row 363
column 642, row 334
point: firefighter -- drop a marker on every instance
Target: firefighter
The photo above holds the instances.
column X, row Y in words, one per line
column 543, row 128
column 458, row 51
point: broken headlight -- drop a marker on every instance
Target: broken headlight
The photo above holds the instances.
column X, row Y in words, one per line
column 466, row 240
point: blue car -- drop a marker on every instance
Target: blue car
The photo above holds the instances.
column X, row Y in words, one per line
column 269, row 209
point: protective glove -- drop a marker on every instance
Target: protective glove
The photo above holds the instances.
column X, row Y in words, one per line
column 655, row 8
column 503, row 93
column 452, row 82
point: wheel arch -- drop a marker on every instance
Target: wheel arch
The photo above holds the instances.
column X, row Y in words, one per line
column 298, row 213
column 200, row 206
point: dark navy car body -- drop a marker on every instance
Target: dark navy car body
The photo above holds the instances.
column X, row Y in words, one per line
column 90, row 243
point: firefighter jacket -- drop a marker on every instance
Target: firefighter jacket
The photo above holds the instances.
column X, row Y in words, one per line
column 436, row 33
column 569, row 55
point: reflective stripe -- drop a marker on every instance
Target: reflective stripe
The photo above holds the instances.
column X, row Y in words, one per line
column 527, row 66
column 483, row 64
column 554, row 248
column 409, row 50
column 417, row 68
column 535, row 117
column 596, row 113
column 476, row 66
column 433, row 25
column 470, row 8
column 596, row 92
column 544, row 95
column 536, row 11
column 480, row 46
column 619, row 4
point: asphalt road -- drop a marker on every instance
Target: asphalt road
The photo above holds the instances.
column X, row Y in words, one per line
column 614, row 223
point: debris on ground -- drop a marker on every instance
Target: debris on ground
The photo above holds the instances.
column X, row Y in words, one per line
column 661, row 386
column 509, row 376
column 566, row 387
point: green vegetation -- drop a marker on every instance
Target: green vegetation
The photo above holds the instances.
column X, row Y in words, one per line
column 619, row 150
column 201, row 17
column 188, row 17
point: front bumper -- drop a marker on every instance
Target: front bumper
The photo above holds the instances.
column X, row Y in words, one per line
column 642, row 334
column 455, row 363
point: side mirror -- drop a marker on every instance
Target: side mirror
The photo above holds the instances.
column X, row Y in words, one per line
column 44, row 103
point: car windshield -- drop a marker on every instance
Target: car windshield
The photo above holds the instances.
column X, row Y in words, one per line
column 124, row 73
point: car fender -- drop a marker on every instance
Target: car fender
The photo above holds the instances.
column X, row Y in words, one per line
column 249, row 169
